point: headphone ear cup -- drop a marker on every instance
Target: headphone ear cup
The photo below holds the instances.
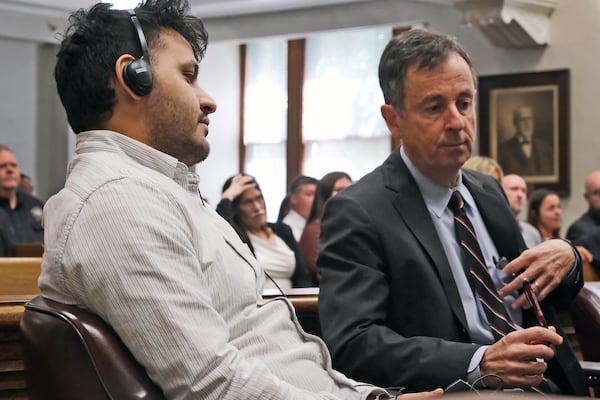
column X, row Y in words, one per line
column 138, row 76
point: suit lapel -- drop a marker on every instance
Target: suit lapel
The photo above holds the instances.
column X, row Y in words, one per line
column 412, row 210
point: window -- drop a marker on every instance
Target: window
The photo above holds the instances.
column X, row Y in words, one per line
column 341, row 120
column 339, row 108
column 265, row 119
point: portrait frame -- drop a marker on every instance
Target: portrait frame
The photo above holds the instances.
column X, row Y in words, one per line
column 541, row 97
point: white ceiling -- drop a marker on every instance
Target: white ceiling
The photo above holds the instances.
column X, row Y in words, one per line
column 203, row 8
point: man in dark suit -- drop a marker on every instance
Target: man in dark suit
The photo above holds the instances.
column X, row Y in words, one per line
column 393, row 287
column 525, row 153
column 591, row 218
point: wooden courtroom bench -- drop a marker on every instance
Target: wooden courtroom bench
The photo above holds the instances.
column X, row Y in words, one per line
column 29, row 249
column 19, row 275
column 18, row 284
column 305, row 302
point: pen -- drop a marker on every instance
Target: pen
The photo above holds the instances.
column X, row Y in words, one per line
column 534, row 303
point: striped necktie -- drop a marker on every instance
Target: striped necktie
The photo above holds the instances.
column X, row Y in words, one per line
column 476, row 270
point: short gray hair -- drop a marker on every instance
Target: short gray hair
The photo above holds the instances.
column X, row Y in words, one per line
column 427, row 48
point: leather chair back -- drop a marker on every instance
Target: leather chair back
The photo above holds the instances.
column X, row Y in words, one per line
column 585, row 314
column 72, row 354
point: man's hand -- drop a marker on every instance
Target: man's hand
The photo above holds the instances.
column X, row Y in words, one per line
column 544, row 265
column 515, row 358
column 239, row 183
column 585, row 254
column 421, row 395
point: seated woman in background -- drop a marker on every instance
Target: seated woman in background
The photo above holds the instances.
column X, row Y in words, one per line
column 485, row 165
column 327, row 187
column 545, row 214
column 273, row 244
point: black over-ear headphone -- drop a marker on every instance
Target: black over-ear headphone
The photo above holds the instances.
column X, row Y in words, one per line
column 137, row 74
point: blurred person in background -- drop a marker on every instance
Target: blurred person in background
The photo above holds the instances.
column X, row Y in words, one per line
column 297, row 204
column 328, row 186
column 485, row 165
column 515, row 189
column 591, row 218
column 545, row 214
column 26, row 184
column 243, row 206
column 20, row 213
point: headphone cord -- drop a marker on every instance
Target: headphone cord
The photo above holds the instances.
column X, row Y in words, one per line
column 248, row 262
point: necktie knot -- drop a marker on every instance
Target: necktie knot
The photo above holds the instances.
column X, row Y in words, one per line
column 456, row 202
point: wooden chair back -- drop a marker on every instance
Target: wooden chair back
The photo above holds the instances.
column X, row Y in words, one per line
column 71, row 354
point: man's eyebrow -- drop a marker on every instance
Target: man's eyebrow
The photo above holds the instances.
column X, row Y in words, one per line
column 434, row 98
column 192, row 64
column 467, row 93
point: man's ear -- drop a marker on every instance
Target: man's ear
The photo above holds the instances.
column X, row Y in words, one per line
column 392, row 120
column 120, row 83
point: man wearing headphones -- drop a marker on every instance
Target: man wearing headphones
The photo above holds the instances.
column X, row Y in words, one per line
column 130, row 239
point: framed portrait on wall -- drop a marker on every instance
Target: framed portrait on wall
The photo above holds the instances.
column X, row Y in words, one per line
column 524, row 125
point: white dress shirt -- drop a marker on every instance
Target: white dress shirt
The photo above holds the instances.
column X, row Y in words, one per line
column 276, row 259
column 296, row 222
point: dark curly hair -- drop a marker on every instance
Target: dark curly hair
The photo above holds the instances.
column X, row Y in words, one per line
column 95, row 38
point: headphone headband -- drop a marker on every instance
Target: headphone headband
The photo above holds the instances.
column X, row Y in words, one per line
column 137, row 73
column 140, row 33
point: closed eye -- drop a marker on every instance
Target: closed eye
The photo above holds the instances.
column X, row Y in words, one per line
column 190, row 71
column 190, row 76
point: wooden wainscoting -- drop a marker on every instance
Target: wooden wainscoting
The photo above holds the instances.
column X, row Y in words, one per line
column 18, row 284
column 12, row 375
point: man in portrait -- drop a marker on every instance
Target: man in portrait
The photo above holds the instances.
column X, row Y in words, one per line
column 525, row 153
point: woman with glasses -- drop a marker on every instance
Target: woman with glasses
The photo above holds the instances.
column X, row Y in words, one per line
column 273, row 244
column 545, row 214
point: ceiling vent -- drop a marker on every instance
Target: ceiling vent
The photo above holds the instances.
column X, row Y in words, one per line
column 510, row 23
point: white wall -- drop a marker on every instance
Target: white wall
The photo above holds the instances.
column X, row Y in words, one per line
column 219, row 76
column 18, row 88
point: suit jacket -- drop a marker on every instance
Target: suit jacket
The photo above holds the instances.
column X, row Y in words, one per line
column 583, row 226
column 591, row 241
column 513, row 160
column 390, row 310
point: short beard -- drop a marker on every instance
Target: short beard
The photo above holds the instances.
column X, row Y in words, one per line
column 202, row 155
column 190, row 159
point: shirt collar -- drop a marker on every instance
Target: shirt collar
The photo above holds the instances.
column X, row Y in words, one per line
column 105, row 140
column 435, row 195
